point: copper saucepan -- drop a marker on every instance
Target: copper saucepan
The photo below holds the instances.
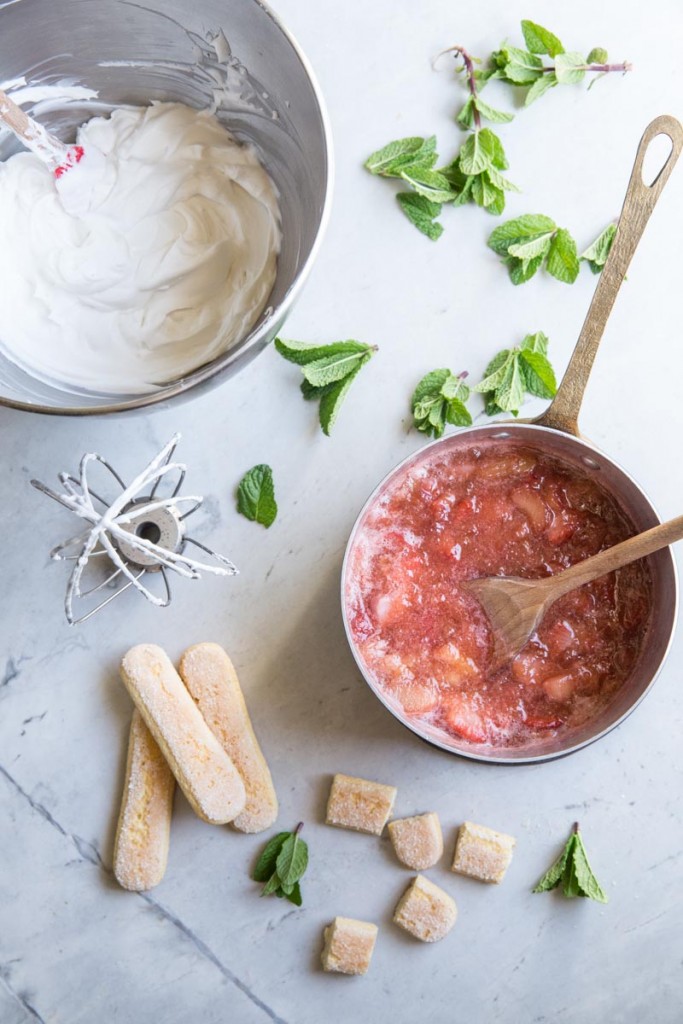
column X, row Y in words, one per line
column 556, row 433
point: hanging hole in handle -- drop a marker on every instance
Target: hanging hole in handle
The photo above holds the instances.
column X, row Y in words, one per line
column 656, row 158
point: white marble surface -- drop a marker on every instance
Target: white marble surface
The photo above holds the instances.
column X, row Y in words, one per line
column 74, row 948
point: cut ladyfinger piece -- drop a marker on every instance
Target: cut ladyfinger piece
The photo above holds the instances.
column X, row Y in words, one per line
column 348, row 946
column 425, row 910
column 144, row 828
column 482, row 853
column 203, row 770
column 418, row 841
column 360, row 805
column 212, row 681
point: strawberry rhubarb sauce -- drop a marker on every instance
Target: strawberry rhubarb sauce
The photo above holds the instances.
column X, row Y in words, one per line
column 491, row 509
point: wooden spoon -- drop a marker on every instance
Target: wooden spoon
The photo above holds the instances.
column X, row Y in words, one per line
column 58, row 157
column 515, row 606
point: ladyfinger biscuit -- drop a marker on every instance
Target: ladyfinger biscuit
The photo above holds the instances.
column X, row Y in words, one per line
column 359, row 804
column 144, row 828
column 211, row 679
column 482, row 853
column 203, row 770
column 418, row 841
column 348, row 946
column 425, row 910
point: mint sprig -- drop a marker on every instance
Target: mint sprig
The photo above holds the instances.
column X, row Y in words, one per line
column 516, row 372
column 529, row 241
column 573, row 872
column 256, row 495
column 282, row 864
column 329, row 371
column 438, row 399
column 545, row 63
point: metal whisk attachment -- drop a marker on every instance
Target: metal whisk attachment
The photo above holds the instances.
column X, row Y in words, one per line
column 135, row 536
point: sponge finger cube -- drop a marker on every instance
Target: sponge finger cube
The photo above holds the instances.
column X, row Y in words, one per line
column 482, row 853
column 348, row 946
column 360, row 805
column 418, row 841
column 425, row 910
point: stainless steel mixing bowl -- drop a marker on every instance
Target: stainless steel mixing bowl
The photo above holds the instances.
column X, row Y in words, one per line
column 236, row 55
column 556, row 433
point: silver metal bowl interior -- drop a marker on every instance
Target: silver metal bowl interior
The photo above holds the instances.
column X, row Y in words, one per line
column 638, row 508
column 235, row 54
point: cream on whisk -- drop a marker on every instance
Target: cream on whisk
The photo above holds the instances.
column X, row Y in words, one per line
column 152, row 256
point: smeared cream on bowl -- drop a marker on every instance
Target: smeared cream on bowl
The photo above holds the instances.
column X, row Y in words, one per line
column 154, row 255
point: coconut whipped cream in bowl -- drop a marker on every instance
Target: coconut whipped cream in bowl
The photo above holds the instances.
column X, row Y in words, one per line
column 171, row 253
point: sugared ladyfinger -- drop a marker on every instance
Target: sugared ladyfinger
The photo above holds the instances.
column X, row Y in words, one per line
column 142, row 835
column 212, row 681
column 203, row 770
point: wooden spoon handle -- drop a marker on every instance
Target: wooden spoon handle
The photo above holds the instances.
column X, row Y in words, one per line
column 615, row 557
column 639, row 203
column 33, row 135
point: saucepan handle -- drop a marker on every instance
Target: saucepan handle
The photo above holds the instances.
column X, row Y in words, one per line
column 563, row 412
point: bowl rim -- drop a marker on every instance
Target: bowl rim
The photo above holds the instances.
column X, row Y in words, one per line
column 472, row 755
column 185, row 386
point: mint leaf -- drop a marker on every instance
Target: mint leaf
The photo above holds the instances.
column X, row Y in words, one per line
column 333, row 368
column 572, row 871
column 497, row 179
column 518, row 66
column 563, row 262
column 528, row 250
column 540, row 86
column 598, row 55
column 421, row 212
column 496, row 371
column 265, row 865
column 596, row 254
column 479, row 151
column 515, row 232
column 294, row 894
column 301, row 353
column 331, row 401
column 256, row 496
column 438, row 399
column 522, row 271
column 515, row 371
column 537, row 342
column 392, row 158
column 540, row 40
column 466, row 116
column 539, row 376
column 292, row 861
column 570, row 68
column 428, row 183
column 490, row 113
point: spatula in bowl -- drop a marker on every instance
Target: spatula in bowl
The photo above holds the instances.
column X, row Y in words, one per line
column 58, row 157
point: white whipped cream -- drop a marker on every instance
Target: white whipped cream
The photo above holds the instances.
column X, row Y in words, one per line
column 152, row 256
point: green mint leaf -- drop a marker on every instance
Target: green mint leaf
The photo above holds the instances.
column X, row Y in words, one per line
column 490, row 113
column 498, row 205
column 563, row 262
column 573, row 872
column 519, row 66
column 553, row 876
column 499, row 182
column 294, row 894
column 484, row 193
column 516, row 232
column 510, row 392
column 537, row 342
column 256, row 496
column 479, row 151
column 421, row 212
column 498, row 158
column 333, row 368
column 598, row 55
column 596, row 254
column 528, row 250
column 587, row 883
column 540, row 40
column 466, row 116
column 428, row 183
column 490, row 406
column 301, row 353
column 292, row 861
column 540, row 86
column 265, row 865
column 439, row 398
column 539, row 376
column 331, row 402
column 272, row 885
column 496, row 371
column 392, row 158
column 313, row 394
column 457, row 413
column 570, row 68
column 521, row 271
